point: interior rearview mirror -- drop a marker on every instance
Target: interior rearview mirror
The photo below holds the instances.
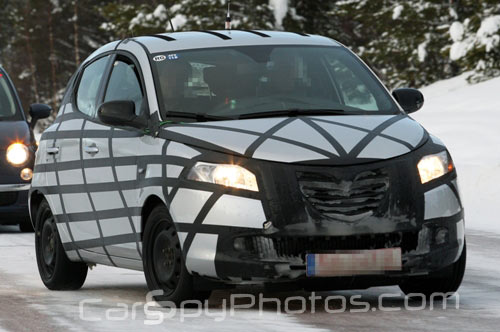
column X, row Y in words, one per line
column 411, row 100
column 120, row 113
column 39, row 111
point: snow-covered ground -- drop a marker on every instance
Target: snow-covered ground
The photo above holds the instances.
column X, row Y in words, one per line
column 467, row 119
column 26, row 305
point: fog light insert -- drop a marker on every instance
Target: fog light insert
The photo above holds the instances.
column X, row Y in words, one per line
column 26, row 174
column 441, row 236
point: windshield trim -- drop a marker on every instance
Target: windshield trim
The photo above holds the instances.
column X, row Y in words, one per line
column 159, row 95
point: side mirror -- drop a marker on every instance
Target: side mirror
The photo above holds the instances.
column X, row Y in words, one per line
column 411, row 100
column 120, row 113
column 37, row 112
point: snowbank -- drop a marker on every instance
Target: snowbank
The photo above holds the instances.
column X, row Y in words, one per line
column 467, row 119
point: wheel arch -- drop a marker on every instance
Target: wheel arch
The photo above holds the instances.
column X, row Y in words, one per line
column 35, row 198
column 147, row 208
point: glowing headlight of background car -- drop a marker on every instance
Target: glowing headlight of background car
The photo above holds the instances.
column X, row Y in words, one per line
column 434, row 166
column 17, row 154
column 224, row 174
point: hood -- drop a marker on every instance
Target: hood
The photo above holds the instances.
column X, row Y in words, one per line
column 13, row 131
column 336, row 140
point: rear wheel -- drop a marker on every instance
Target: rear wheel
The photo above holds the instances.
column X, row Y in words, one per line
column 56, row 270
column 445, row 281
column 164, row 265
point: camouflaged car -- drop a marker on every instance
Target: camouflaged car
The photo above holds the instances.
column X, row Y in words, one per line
column 217, row 158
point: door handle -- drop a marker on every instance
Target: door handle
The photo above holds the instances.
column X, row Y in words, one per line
column 53, row 150
column 91, row 149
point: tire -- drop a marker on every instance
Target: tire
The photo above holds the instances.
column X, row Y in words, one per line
column 56, row 270
column 164, row 266
column 447, row 280
column 25, row 226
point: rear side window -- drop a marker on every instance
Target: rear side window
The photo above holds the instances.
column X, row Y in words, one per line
column 124, row 84
column 86, row 96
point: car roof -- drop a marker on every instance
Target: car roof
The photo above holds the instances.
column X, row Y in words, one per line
column 178, row 41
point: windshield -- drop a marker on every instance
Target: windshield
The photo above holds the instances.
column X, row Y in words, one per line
column 8, row 102
column 241, row 82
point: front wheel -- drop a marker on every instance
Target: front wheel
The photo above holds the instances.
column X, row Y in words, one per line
column 164, row 265
column 56, row 270
column 446, row 281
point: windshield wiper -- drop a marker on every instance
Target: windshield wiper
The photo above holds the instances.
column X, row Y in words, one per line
column 199, row 117
column 292, row 112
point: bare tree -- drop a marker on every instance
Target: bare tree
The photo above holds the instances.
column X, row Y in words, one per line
column 29, row 50
column 52, row 58
column 75, row 33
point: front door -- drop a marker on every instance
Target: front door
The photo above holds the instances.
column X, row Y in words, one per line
column 76, row 204
column 110, row 163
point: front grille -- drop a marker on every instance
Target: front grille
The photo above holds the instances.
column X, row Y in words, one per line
column 8, row 198
column 344, row 199
column 287, row 247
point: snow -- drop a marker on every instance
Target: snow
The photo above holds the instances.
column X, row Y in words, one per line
column 461, row 48
column 488, row 32
column 456, row 31
column 396, row 13
column 22, row 294
column 489, row 26
column 467, row 119
column 453, row 13
column 25, row 74
column 116, row 289
column 422, row 51
column 160, row 12
column 422, row 48
column 137, row 20
column 487, row 35
column 178, row 21
column 280, row 8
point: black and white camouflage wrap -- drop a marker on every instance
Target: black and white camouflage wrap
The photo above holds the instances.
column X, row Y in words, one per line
column 98, row 198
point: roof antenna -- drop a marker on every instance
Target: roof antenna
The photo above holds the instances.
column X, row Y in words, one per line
column 228, row 17
column 171, row 25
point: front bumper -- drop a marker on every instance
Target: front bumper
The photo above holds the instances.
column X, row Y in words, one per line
column 264, row 237
column 13, row 203
column 275, row 258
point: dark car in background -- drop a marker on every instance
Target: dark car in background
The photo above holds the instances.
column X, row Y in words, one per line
column 17, row 154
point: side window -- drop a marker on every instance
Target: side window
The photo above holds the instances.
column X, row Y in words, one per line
column 124, row 84
column 89, row 85
column 7, row 101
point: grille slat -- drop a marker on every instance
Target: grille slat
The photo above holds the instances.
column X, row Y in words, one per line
column 345, row 200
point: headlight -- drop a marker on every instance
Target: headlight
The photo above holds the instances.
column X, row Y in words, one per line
column 224, row 174
column 434, row 166
column 17, row 154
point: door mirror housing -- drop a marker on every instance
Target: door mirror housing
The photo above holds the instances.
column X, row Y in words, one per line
column 121, row 113
column 411, row 100
column 39, row 111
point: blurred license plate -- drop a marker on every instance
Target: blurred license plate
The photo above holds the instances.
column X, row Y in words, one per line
column 354, row 262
